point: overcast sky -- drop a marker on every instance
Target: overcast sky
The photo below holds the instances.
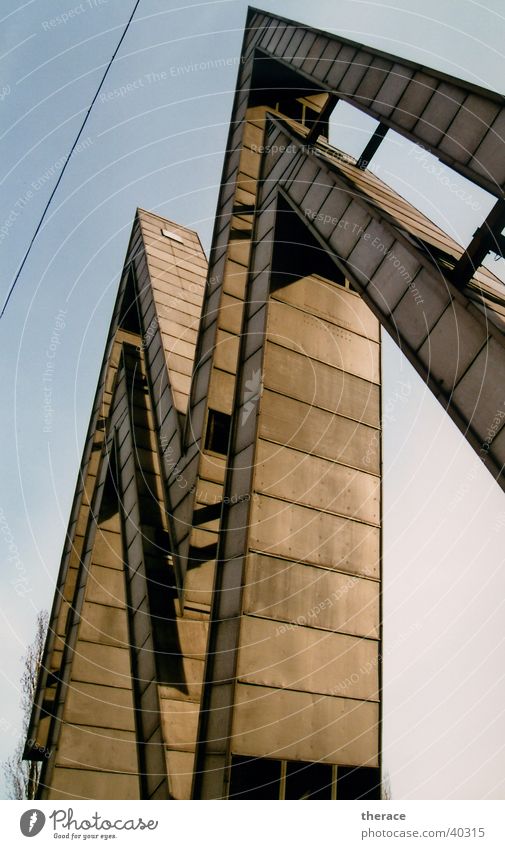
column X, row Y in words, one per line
column 161, row 146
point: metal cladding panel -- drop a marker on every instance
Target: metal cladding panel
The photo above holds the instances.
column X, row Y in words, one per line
column 93, row 785
column 292, row 531
column 304, row 727
column 324, row 342
column 475, row 116
column 102, row 623
column 294, row 374
column 179, row 721
column 305, row 427
column 426, row 105
column 180, row 767
column 100, row 749
column 301, row 478
column 327, row 301
column 414, row 319
column 479, row 394
column 106, row 665
column 294, row 592
column 85, row 699
column 170, row 262
column 453, row 344
column 307, row 659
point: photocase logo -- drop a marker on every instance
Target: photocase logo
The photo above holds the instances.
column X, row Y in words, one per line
column 32, row 822
column 252, row 394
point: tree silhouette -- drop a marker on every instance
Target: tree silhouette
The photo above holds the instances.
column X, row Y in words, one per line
column 22, row 776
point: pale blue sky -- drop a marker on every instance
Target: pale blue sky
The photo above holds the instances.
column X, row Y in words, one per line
column 161, row 147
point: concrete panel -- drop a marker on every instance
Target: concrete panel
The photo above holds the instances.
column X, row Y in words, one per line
column 304, row 50
column 87, row 784
column 104, row 624
column 415, row 318
column 212, row 468
column 298, row 593
column 364, row 259
column 301, row 185
column 326, row 60
column 499, row 446
column 90, row 704
column 108, row 550
column 488, row 158
column 389, row 283
column 304, row 727
column 220, row 396
column 452, row 344
column 355, row 72
column 348, row 230
column 179, row 722
column 439, row 113
column 230, row 315
column 231, row 587
column 373, row 80
column 392, row 89
column 305, row 479
column 301, row 533
column 97, row 748
column 189, row 687
column 101, row 665
column 469, row 126
column 344, row 55
column 414, row 99
column 198, row 584
column 180, row 773
column 479, row 394
column 308, row 659
column 331, row 212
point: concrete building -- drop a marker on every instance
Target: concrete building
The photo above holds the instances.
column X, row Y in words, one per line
column 216, row 625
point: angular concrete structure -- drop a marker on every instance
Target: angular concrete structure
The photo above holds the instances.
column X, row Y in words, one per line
column 216, row 627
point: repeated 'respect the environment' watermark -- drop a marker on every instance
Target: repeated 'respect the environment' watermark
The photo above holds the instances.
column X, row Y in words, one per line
column 174, row 71
column 36, row 185
column 374, row 242
column 71, row 14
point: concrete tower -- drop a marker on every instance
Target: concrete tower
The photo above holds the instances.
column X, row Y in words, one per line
column 216, row 626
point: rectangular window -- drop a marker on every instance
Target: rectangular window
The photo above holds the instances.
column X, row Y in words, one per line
column 266, row 778
column 308, row 780
column 255, row 778
column 358, row 782
column 218, row 432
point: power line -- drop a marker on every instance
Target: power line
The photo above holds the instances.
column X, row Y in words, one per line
column 60, row 176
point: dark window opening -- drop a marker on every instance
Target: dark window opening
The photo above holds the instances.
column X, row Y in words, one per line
column 296, row 252
column 255, row 778
column 266, row 778
column 291, row 108
column 218, row 432
column 358, row 783
column 308, row 780
column 129, row 315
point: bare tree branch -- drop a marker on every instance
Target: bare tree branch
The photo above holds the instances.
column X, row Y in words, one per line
column 22, row 776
